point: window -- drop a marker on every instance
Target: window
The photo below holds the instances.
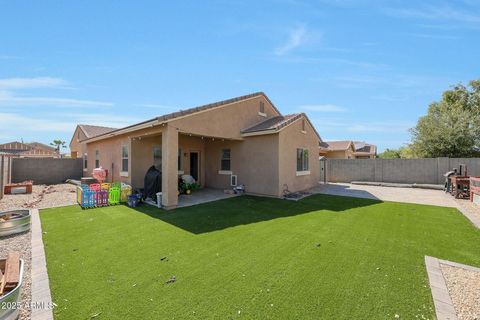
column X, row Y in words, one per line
column 302, row 160
column 97, row 159
column 225, row 162
column 157, row 157
column 261, row 109
column 124, row 158
column 85, row 162
column 179, row 159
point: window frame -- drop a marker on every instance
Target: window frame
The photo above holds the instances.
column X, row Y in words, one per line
column 97, row 158
column 85, row 161
column 123, row 171
column 302, row 161
column 225, row 160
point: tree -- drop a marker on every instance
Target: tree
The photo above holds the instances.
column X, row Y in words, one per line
column 58, row 144
column 405, row 152
column 451, row 127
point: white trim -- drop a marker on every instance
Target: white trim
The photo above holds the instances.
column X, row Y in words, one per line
column 260, row 133
column 232, row 177
column 304, row 132
column 226, row 172
column 303, row 173
column 181, row 172
column 123, row 173
column 263, row 114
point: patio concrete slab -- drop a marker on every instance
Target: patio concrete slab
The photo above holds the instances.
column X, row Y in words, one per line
column 202, row 196
column 408, row 195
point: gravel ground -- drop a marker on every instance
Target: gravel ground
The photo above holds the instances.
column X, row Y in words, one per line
column 470, row 206
column 42, row 197
column 21, row 243
column 464, row 288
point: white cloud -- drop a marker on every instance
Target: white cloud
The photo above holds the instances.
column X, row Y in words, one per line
column 323, row 108
column 15, row 122
column 438, row 13
column 27, row 83
column 296, row 38
column 11, row 100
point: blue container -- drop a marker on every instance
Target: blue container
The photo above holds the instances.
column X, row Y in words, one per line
column 133, row 200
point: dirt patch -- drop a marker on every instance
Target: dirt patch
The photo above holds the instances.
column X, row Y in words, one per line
column 42, row 196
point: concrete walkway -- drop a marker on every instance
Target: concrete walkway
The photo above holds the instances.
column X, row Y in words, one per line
column 408, row 195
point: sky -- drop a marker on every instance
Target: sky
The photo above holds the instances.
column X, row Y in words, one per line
column 361, row 69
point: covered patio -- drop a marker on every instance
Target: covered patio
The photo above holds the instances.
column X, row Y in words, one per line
column 175, row 152
column 203, row 195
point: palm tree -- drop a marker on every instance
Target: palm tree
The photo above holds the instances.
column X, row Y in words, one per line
column 58, row 144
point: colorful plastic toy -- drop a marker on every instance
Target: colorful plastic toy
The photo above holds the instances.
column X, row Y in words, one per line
column 114, row 195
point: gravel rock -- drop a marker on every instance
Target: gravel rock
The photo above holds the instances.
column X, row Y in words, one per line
column 42, row 196
column 464, row 289
column 471, row 207
column 22, row 243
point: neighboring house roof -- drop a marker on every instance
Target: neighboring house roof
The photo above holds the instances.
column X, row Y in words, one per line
column 39, row 145
column 183, row 113
column 338, row 145
column 27, row 149
column 14, row 147
column 93, row 131
column 364, row 148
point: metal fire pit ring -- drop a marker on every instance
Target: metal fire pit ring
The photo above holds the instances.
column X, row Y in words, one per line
column 19, row 222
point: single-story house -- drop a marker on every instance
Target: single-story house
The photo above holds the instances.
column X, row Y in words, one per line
column 244, row 140
column 347, row 149
column 28, row 150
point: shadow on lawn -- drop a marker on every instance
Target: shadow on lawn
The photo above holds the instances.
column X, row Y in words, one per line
column 222, row 214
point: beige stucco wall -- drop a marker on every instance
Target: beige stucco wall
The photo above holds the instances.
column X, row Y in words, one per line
column 142, row 156
column 343, row 154
column 76, row 145
column 264, row 163
column 254, row 161
column 226, row 121
column 291, row 138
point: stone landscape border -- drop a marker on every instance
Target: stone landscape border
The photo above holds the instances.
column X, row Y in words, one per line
column 444, row 308
column 41, row 298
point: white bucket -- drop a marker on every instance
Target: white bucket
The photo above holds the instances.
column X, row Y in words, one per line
column 159, row 199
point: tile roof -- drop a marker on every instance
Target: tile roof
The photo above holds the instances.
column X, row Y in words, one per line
column 338, row 145
column 93, row 131
column 42, row 146
column 274, row 123
column 186, row 112
column 363, row 147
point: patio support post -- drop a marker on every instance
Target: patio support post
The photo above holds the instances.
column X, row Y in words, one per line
column 169, row 167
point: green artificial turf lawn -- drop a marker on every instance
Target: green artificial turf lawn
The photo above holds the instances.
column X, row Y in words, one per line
column 324, row 257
